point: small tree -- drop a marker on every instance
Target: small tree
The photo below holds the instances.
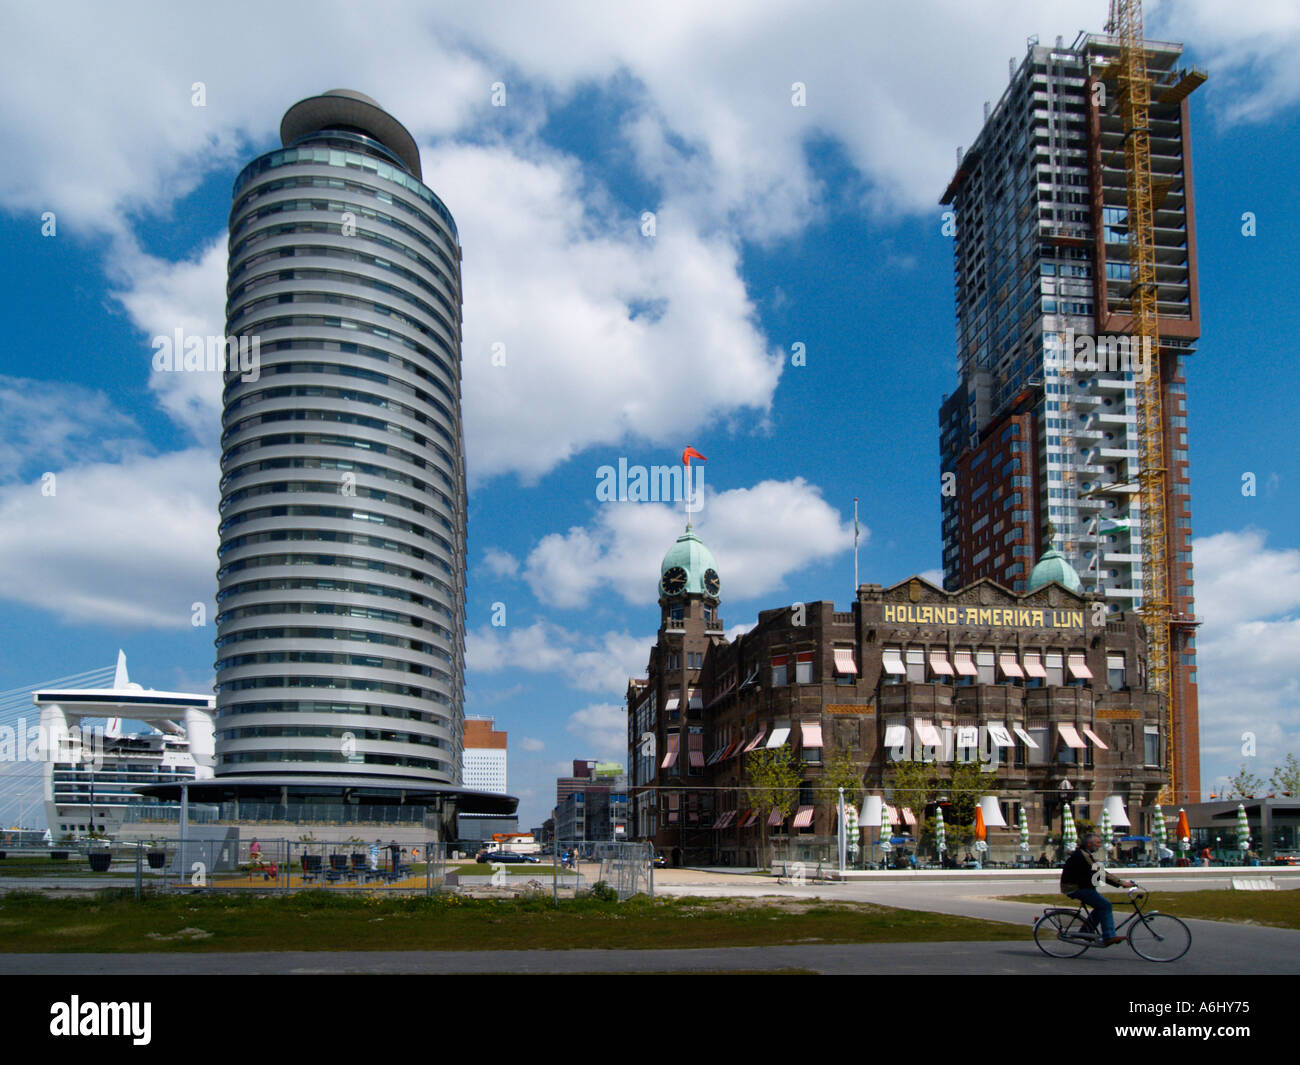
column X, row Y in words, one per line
column 1245, row 785
column 842, row 771
column 773, row 784
column 1286, row 777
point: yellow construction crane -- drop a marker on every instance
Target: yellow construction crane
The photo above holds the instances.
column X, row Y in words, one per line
column 1134, row 102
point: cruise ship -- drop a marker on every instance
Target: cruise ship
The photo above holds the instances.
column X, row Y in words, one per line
column 91, row 769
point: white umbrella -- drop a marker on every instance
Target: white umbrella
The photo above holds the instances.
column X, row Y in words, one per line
column 1024, row 830
column 1243, row 828
column 940, row 834
column 1069, row 834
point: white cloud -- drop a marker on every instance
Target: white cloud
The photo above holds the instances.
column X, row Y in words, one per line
column 1248, row 596
column 759, row 536
column 527, row 743
column 130, row 544
column 603, row 728
column 545, row 647
column 162, row 297
column 44, row 426
column 500, row 563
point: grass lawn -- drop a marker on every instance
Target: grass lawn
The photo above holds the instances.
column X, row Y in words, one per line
column 113, row 922
column 1279, row 909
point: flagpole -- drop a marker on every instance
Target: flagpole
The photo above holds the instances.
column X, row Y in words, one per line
column 855, row 547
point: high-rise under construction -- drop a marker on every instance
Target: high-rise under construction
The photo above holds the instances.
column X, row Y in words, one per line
column 1040, row 443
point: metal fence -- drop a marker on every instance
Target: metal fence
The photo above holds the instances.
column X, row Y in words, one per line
column 627, row 868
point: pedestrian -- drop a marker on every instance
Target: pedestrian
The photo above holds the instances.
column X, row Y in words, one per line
column 395, row 850
column 374, row 857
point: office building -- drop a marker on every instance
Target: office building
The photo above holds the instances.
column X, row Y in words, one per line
column 1041, row 687
column 1042, row 431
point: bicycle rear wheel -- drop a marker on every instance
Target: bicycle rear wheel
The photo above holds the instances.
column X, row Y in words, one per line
column 1053, row 926
column 1159, row 937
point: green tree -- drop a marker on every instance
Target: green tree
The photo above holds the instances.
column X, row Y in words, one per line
column 842, row 770
column 773, row 784
column 1286, row 777
column 1245, row 785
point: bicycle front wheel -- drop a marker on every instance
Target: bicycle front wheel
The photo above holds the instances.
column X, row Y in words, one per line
column 1052, row 932
column 1160, row 937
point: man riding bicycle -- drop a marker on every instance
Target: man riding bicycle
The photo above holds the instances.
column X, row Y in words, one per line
column 1080, row 879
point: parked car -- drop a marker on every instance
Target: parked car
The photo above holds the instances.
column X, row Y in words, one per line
column 507, row 857
column 660, row 862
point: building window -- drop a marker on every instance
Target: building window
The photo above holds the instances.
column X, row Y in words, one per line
column 1054, row 666
column 984, row 664
column 1115, row 671
column 1041, row 736
column 1151, row 745
column 812, row 755
column 778, row 671
column 916, row 665
column 803, row 668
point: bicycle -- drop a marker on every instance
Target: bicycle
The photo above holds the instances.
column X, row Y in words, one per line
column 1160, row 937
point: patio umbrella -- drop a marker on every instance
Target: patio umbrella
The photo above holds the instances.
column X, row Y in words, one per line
column 1107, row 832
column 1243, row 828
column 1024, row 830
column 1069, row 835
column 1160, row 832
column 886, row 830
column 851, row 829
column 1183, row 831
column 940, row 833
column 981, row 831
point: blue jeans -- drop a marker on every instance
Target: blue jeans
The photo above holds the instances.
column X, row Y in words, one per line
column 1102, row 909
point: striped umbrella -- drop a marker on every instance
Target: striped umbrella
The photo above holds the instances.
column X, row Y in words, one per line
column 1024, row 830
column 886, row 830
column 1243, row 828
column 940, row 833
column 1069, row 835
column 1159, row 830
column 851, row 829
column 1107, row 830
column 1183, row 831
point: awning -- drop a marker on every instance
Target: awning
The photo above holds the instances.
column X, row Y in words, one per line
column 715, row 755
column 697, row 757
column 752, row 744
column 697, row 700
column 748, row 818
column 893, row 662
column 674, row 800
column 939, row 663
column 778, row 661
column 775, row 818
column 670, row 756
column 909, row 818
column 725, row 820
column 965, row 666
column 929, row 734
column 811, row 733
column 1025, row 737
column 895, row 735
column 1001, row 737
column 844, row 660
column 1071, row 737
column 729, row 750
column 1034, row 665
column 1009, row 666
column 968, row 736
column 673, row 703
column 893, row 815
column 753, row 676
column 803, row 818
column 1097, row 741
column 778, row 737
column 1079, row 668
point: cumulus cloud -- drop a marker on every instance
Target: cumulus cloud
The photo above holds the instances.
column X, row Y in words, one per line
column 759, row 535
column 131, row 544
column 527, row 743
column 500, row 563
column 545, row 647
column 603, row 729
column 1248, row 596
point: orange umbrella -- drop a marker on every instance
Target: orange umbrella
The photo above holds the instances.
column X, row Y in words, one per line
column 1183, row 831
column 980, row 831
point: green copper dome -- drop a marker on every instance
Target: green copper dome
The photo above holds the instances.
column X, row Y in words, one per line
column 1053, row 567
column 690, row 556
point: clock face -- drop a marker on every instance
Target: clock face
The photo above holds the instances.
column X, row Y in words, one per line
column 673, row 581
column 711, row 582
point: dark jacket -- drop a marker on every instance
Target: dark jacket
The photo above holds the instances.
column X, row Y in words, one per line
column 1077, row 874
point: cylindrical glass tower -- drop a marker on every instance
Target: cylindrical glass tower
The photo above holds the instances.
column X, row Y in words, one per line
column 341, row 579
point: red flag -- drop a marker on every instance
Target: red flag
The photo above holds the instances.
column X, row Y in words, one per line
column 691, row 453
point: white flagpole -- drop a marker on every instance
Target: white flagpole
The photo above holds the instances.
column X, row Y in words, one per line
column 855, row 547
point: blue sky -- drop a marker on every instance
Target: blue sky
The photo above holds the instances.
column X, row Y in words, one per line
column 774, row 225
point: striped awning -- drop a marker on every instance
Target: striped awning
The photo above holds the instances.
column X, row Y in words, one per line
column 929, row 734
column 965, row 664
column 803, row 818
column 752, row 744
column 844, row 660
column 725, row 820
column 1096, row 740
column 939, row 664
column 1029, row 740
column 1009, row 666
column 775, row 818
column 893, row 662
column 670, row 756
column 1071, row 737
column 811, row 733
column 1034, row 665
column 1078, row 667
